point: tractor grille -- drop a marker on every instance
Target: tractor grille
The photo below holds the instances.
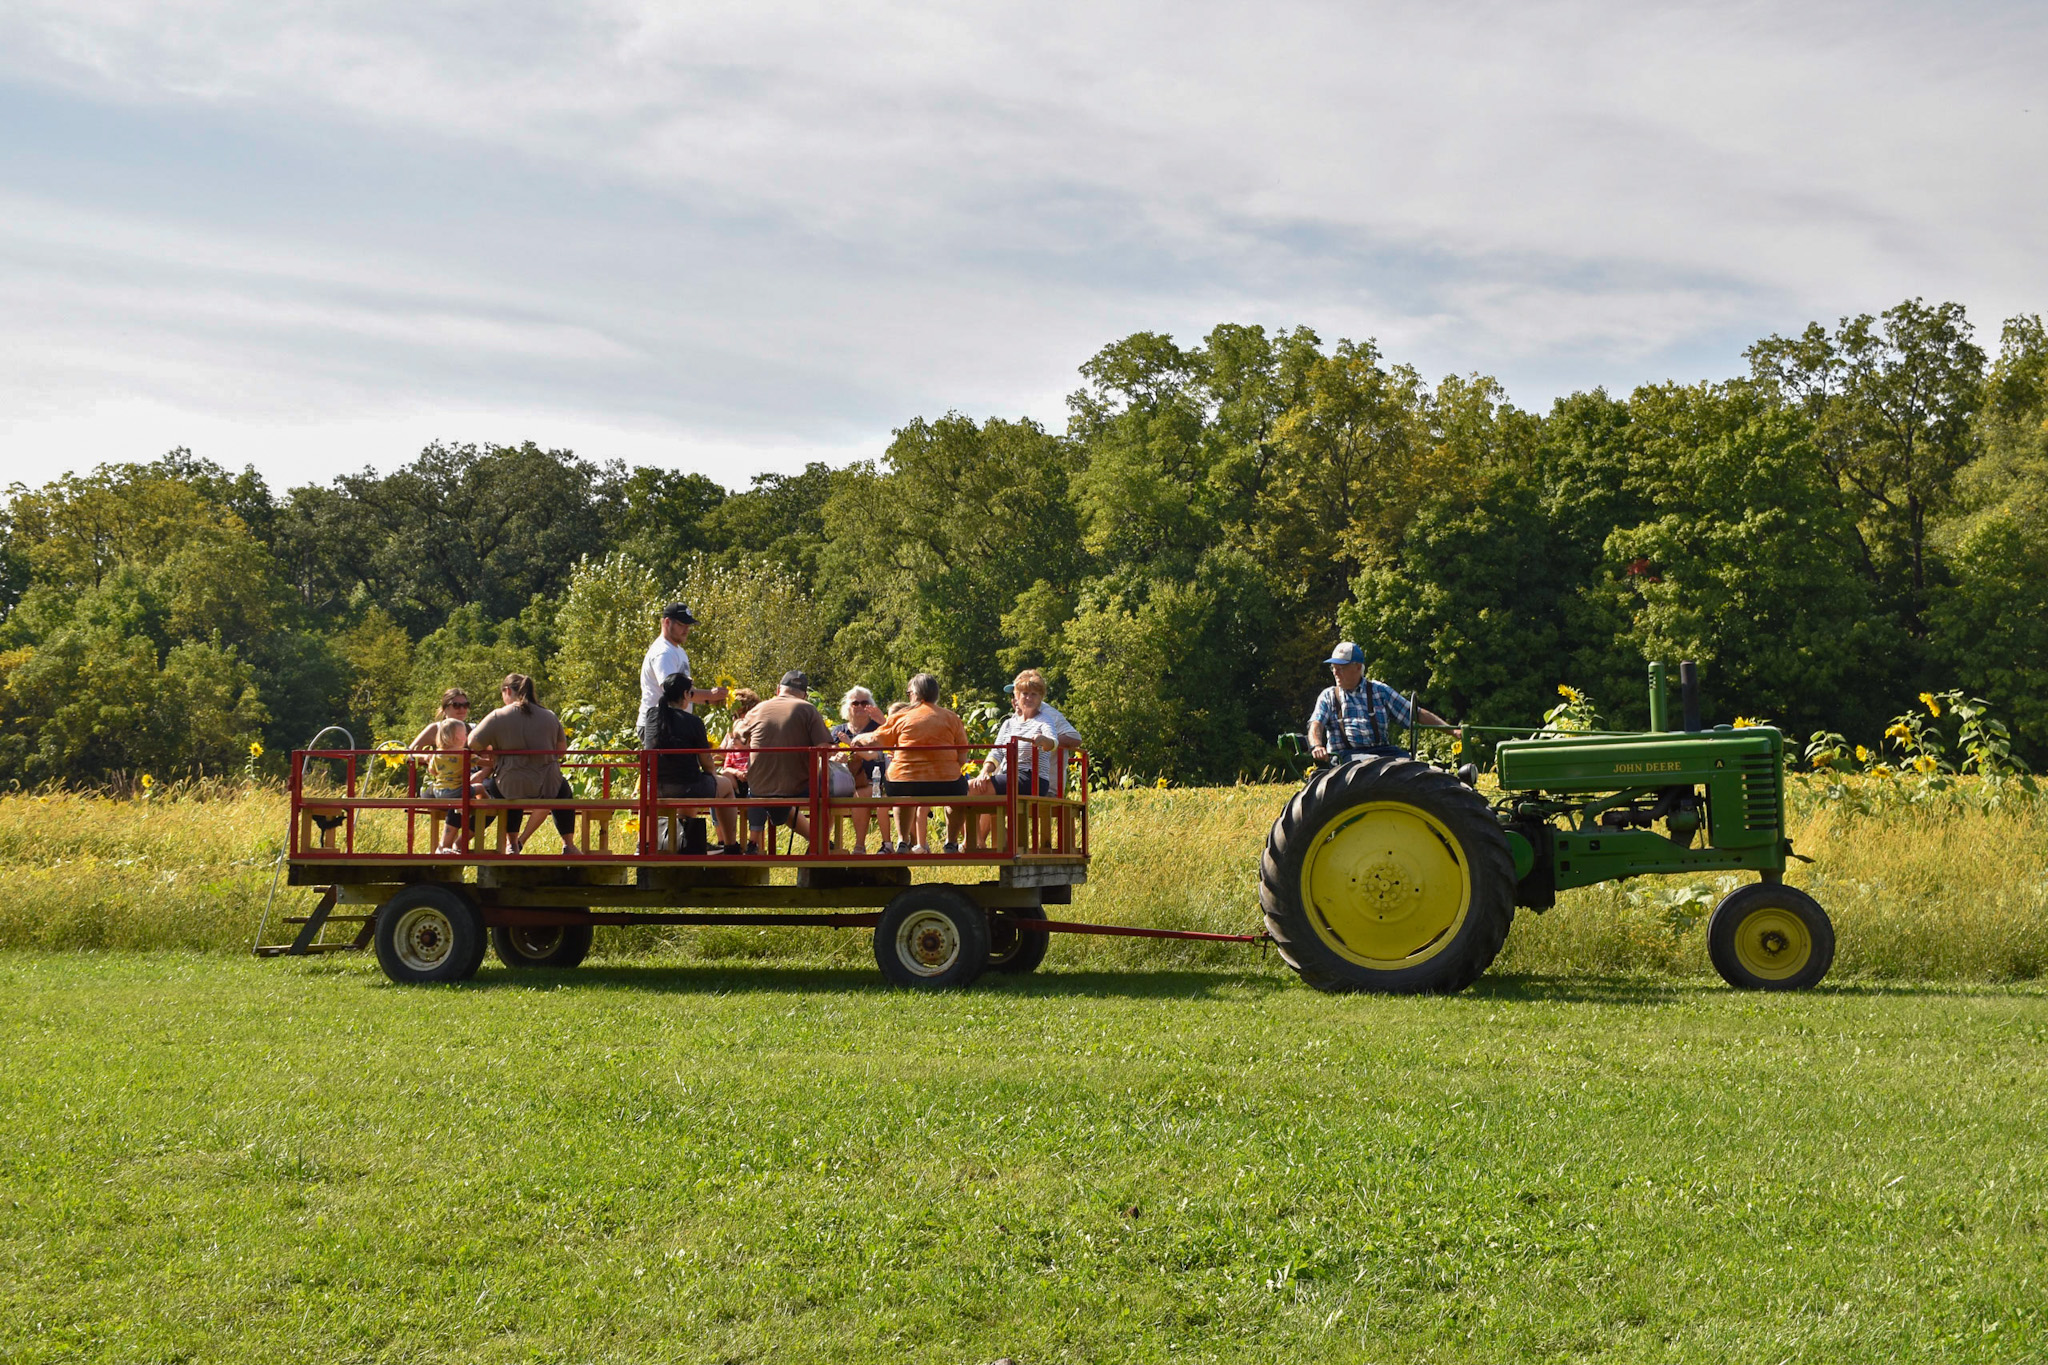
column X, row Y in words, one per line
column 1763, row 794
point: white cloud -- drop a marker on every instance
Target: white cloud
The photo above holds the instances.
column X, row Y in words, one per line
column 806, row 223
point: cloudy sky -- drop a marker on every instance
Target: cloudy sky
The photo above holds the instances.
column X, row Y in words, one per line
column 733, row 237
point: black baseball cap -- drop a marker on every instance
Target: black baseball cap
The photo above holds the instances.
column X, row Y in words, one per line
column 676, row 611
column 795, row 680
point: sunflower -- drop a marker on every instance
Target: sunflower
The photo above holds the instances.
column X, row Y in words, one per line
column 255, row 749
column 1928, row 700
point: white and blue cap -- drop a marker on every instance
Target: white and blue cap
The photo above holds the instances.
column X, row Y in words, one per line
column 1346, row 653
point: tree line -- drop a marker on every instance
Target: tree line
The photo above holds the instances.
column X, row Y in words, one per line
column 1860, row 516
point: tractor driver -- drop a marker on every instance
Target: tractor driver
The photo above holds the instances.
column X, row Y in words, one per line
column 1354, row 719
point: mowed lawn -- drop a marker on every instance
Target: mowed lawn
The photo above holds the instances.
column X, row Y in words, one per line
column 205, row 1158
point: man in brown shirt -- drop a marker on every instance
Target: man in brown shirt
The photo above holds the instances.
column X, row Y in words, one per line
column 786, row 720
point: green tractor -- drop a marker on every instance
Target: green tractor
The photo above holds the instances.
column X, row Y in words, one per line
column 1394, row 875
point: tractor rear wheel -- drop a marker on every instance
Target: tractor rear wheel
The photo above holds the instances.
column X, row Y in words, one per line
column 1770, row 937
column 429, row 933
column 553, row 945
column 1390, row 876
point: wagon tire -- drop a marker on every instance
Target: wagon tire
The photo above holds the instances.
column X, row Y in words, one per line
column 1766, row 937
column 553, row 945
column 1014, row 950
column 429, row 934
column 932, row 938
column 1389, row 876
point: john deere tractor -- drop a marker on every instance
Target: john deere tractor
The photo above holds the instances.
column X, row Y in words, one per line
column 1395, row 875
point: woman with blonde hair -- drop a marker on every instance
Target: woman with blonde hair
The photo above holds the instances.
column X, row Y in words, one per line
column 859, row 715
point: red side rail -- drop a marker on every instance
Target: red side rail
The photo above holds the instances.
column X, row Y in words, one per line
column 340, row 799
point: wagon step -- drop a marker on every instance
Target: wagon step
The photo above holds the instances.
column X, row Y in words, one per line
column 311, row 926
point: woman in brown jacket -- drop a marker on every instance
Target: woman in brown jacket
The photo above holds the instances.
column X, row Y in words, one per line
column 523, row 724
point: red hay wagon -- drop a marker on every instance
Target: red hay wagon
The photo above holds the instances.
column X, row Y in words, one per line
column 362, row 832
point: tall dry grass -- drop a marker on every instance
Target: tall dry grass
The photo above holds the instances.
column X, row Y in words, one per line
column 1932, row 892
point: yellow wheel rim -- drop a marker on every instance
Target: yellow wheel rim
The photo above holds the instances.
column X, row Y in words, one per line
column 1773, row 944
column 1386, row 885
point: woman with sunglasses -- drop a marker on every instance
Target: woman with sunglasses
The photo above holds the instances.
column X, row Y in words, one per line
column 448, row 733
column 859, row 716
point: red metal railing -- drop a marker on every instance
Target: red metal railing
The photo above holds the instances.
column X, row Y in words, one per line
column 337, row 793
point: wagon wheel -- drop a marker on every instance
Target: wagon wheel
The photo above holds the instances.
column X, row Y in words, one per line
column 1387, row 875
column 541, row 945
column 932, row 938
column 429, row 933
column 1766, row 937
column 1011, row 949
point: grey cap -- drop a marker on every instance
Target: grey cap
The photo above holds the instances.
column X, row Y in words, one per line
column 795, row 680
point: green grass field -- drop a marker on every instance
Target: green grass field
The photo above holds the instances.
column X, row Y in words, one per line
column 736, row 1145
column 205, row 1158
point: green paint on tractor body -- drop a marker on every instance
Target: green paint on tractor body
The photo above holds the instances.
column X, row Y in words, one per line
column 1594, row 808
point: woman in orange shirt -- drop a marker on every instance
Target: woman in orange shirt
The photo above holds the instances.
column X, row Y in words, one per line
column 931, row 748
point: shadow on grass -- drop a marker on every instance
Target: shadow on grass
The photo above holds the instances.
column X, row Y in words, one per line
column 796, row 978
column 1647, row 990
column 770, row 978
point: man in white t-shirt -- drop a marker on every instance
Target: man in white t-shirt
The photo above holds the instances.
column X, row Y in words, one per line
column 667, row 655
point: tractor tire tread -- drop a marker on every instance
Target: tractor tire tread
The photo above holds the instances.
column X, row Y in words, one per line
column 1489, row 917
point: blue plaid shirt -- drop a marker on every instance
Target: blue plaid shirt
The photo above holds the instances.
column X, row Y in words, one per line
column 1360, row 719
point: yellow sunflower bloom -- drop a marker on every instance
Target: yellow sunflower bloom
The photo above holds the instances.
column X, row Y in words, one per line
column 255, row 749
column 1900, row 731
column 1927, row 699
column 1744, row 723
column 148, row 782
column 1925, row 763
column 1161, row 784
column 1862, row 754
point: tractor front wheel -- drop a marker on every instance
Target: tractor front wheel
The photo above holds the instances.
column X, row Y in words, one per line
column 1387, row 875
column 1770, row 937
